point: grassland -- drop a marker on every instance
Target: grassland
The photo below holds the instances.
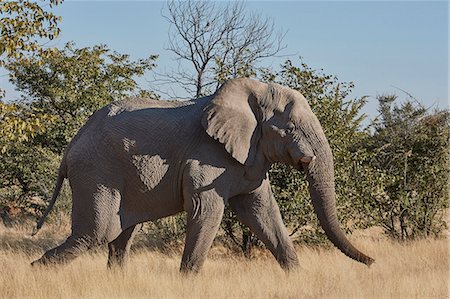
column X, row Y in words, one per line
column 418, row 269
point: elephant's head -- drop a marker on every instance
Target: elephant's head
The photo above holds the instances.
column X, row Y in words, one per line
column 255, row 119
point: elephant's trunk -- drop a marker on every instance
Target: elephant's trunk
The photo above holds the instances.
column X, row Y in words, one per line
column 320, row 175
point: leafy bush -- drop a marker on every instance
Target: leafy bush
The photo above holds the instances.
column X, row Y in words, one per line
column 165, row 232
column 26, row 171
column 72, row 83
column 411, row 147
column 60, row 90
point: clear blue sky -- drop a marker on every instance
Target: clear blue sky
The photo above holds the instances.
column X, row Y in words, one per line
column 377, row 45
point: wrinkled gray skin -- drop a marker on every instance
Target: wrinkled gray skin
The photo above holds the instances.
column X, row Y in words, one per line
column 139, row 160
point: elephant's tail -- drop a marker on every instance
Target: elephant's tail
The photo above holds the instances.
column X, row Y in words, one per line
column 62, row 174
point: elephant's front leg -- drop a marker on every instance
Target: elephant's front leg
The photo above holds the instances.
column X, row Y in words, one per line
column 259, row 211
column 204, row 214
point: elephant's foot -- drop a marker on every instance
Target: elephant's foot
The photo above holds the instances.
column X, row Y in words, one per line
column 66, row 252
column 191, row 267
column 53, row 258
column 116, row 258
column 289, row 263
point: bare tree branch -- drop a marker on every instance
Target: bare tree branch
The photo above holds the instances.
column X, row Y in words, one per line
column 218, row 41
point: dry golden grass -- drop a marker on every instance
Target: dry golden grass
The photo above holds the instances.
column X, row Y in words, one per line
column 417, row 269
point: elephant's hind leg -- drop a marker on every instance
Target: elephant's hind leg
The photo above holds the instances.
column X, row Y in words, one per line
column 120, row 247
column 93, row 207
column 65, row 252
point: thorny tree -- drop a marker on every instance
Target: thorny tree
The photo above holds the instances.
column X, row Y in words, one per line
column 213, row 42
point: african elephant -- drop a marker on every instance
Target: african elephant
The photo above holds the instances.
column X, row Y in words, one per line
column 139, row 160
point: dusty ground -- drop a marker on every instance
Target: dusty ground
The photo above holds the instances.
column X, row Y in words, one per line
column 417, row 269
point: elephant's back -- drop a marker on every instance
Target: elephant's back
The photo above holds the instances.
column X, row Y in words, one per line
column 136, row 104
column 143, row 126
column 125, row 133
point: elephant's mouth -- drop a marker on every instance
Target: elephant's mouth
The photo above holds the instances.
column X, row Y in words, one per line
column 303, row 163
column 300, row 160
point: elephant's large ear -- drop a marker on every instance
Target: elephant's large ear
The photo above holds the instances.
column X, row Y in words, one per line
column 232, row 118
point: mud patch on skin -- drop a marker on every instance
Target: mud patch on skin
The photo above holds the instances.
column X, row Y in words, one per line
column 151, row 170
column 128, row 144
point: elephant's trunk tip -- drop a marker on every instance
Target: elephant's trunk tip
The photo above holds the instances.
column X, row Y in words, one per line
column 362, row 258
column 368, row 261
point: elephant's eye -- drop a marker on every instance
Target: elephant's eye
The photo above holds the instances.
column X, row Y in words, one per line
column 290, row 127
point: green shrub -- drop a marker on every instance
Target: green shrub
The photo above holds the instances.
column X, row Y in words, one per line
column 411, row 148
